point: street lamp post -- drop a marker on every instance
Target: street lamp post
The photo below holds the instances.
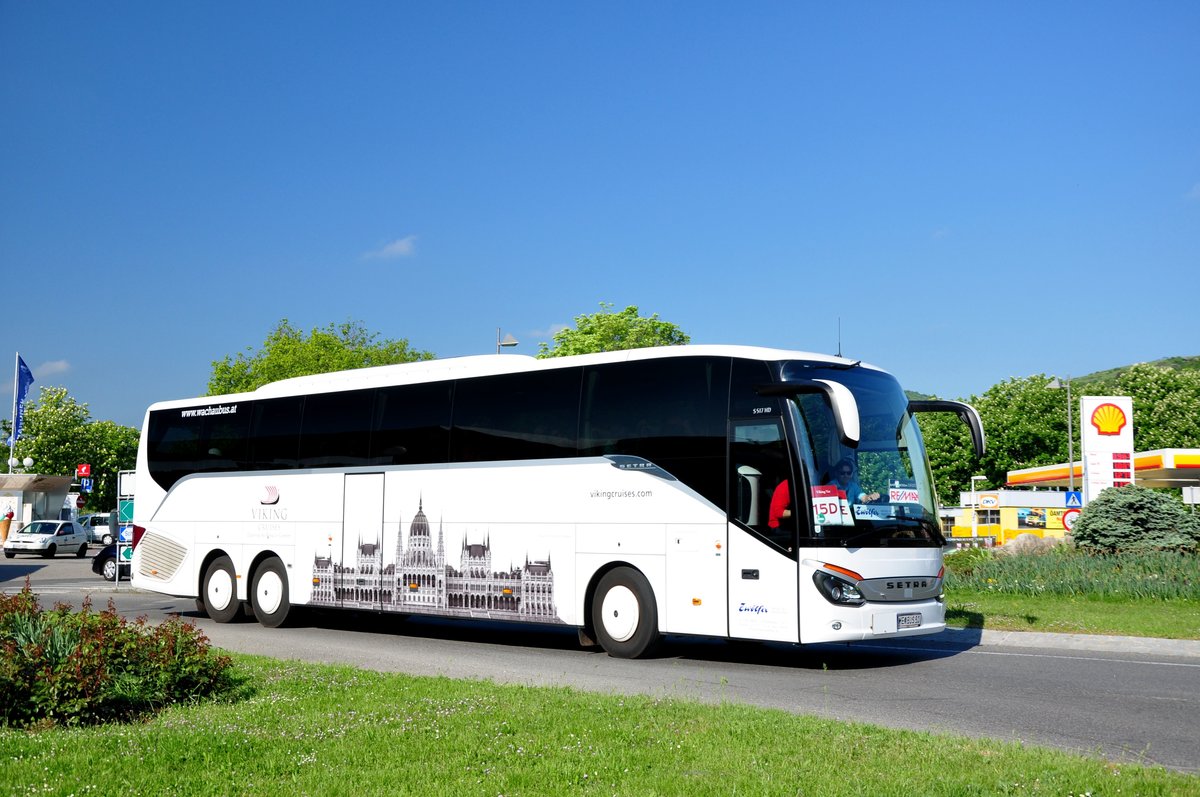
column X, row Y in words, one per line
column 975, row 504
column 1054, row 384
column 508, row 342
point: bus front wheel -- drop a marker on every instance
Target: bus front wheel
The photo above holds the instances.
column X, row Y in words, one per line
column 220, row 590
column 624, row 614
column 269, row 597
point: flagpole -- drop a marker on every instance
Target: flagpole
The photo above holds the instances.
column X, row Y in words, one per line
column 12, row 429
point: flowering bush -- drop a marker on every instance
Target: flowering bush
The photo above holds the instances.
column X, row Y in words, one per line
column 62, row 667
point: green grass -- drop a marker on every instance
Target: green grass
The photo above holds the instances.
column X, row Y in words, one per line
column 1068, row 591
column 1178, row 619
column 321, row 730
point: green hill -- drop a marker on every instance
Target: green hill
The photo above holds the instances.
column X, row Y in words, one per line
column 1104, row 377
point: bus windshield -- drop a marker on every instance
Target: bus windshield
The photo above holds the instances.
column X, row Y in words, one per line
column 879, row 492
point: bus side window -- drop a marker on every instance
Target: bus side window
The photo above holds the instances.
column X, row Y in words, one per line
column 411, row 424
column 671, row 412
column 275, row 432
column 336, row 429
column 173, row 446
column 516, row 416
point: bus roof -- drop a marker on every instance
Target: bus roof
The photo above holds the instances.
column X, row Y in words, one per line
column 490, row 364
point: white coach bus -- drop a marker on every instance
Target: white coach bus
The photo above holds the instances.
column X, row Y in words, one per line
column 676, row 490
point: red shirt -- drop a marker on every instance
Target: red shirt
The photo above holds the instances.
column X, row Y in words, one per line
column 781, row 499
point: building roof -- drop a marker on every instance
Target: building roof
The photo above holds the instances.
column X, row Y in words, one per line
column 35, row 482
column 1164, row 467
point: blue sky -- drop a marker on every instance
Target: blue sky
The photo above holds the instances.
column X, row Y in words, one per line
column 976, row 190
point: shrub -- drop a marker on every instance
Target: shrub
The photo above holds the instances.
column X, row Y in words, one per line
column 1135, row 518
column 64, row 667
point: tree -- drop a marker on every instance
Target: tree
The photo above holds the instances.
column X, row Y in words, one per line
column 58, row 434
column 112, row 448
column 951, row 458
column 609, row 331
column 287, row 352
column 1164, row 406
column 1025, row 424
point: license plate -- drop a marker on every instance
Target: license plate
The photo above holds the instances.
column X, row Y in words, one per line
column 911, row 620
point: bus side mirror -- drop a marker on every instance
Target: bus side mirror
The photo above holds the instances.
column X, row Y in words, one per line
column 968, row 414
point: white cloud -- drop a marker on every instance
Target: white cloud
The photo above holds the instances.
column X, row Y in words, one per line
column 41, row 373
column 52, row 368
column 1194, row 194
column 401, row 247
column 940, row 233
column 549, row 333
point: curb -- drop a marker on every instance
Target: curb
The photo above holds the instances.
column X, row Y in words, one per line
column 1186, row 648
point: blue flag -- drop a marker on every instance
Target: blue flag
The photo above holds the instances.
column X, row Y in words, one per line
column 24, row 380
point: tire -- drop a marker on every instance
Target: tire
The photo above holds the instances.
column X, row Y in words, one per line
column 107, row 540
column 625, row 614
column 220, row 591
column 269, row 596
column 9, row 554
column 82, row 552
column 109, row 569
column 50, row 551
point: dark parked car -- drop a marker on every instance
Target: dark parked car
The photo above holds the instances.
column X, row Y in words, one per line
column 105, row 563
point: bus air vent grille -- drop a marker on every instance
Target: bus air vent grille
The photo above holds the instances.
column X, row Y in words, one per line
column 159, row 557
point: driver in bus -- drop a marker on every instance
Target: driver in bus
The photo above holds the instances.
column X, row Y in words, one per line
column 843, row 479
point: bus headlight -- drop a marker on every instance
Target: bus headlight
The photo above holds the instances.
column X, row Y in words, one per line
column 838, row 590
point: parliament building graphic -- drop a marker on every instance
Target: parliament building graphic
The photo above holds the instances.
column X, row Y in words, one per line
column 418, row 580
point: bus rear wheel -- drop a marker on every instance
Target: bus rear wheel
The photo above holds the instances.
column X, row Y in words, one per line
column 220, row 590
column 269, row 596
column 624, row 614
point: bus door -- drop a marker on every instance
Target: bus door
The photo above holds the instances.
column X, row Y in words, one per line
column 762, row 565
column 360, row 582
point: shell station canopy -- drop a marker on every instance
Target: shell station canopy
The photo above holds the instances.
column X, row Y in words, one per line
column 1166, row 467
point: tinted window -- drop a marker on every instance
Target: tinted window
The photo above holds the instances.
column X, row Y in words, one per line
column 412, row 424
column 173, row 446
column 196, row 440
column 275, row 432
column 336, row 431
column 224, row 442
column 516, row 416
column 671, row 412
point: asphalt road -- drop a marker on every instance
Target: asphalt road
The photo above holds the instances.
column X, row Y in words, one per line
column 1118, row 698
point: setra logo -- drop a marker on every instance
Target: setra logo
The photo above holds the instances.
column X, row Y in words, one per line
column 1109, row 419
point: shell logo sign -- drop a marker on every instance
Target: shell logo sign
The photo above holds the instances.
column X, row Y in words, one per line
column 1109, row 419
column 1107, row 432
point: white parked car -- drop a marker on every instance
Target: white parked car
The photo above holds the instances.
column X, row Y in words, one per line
column 47, row 538
column 98, row 527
